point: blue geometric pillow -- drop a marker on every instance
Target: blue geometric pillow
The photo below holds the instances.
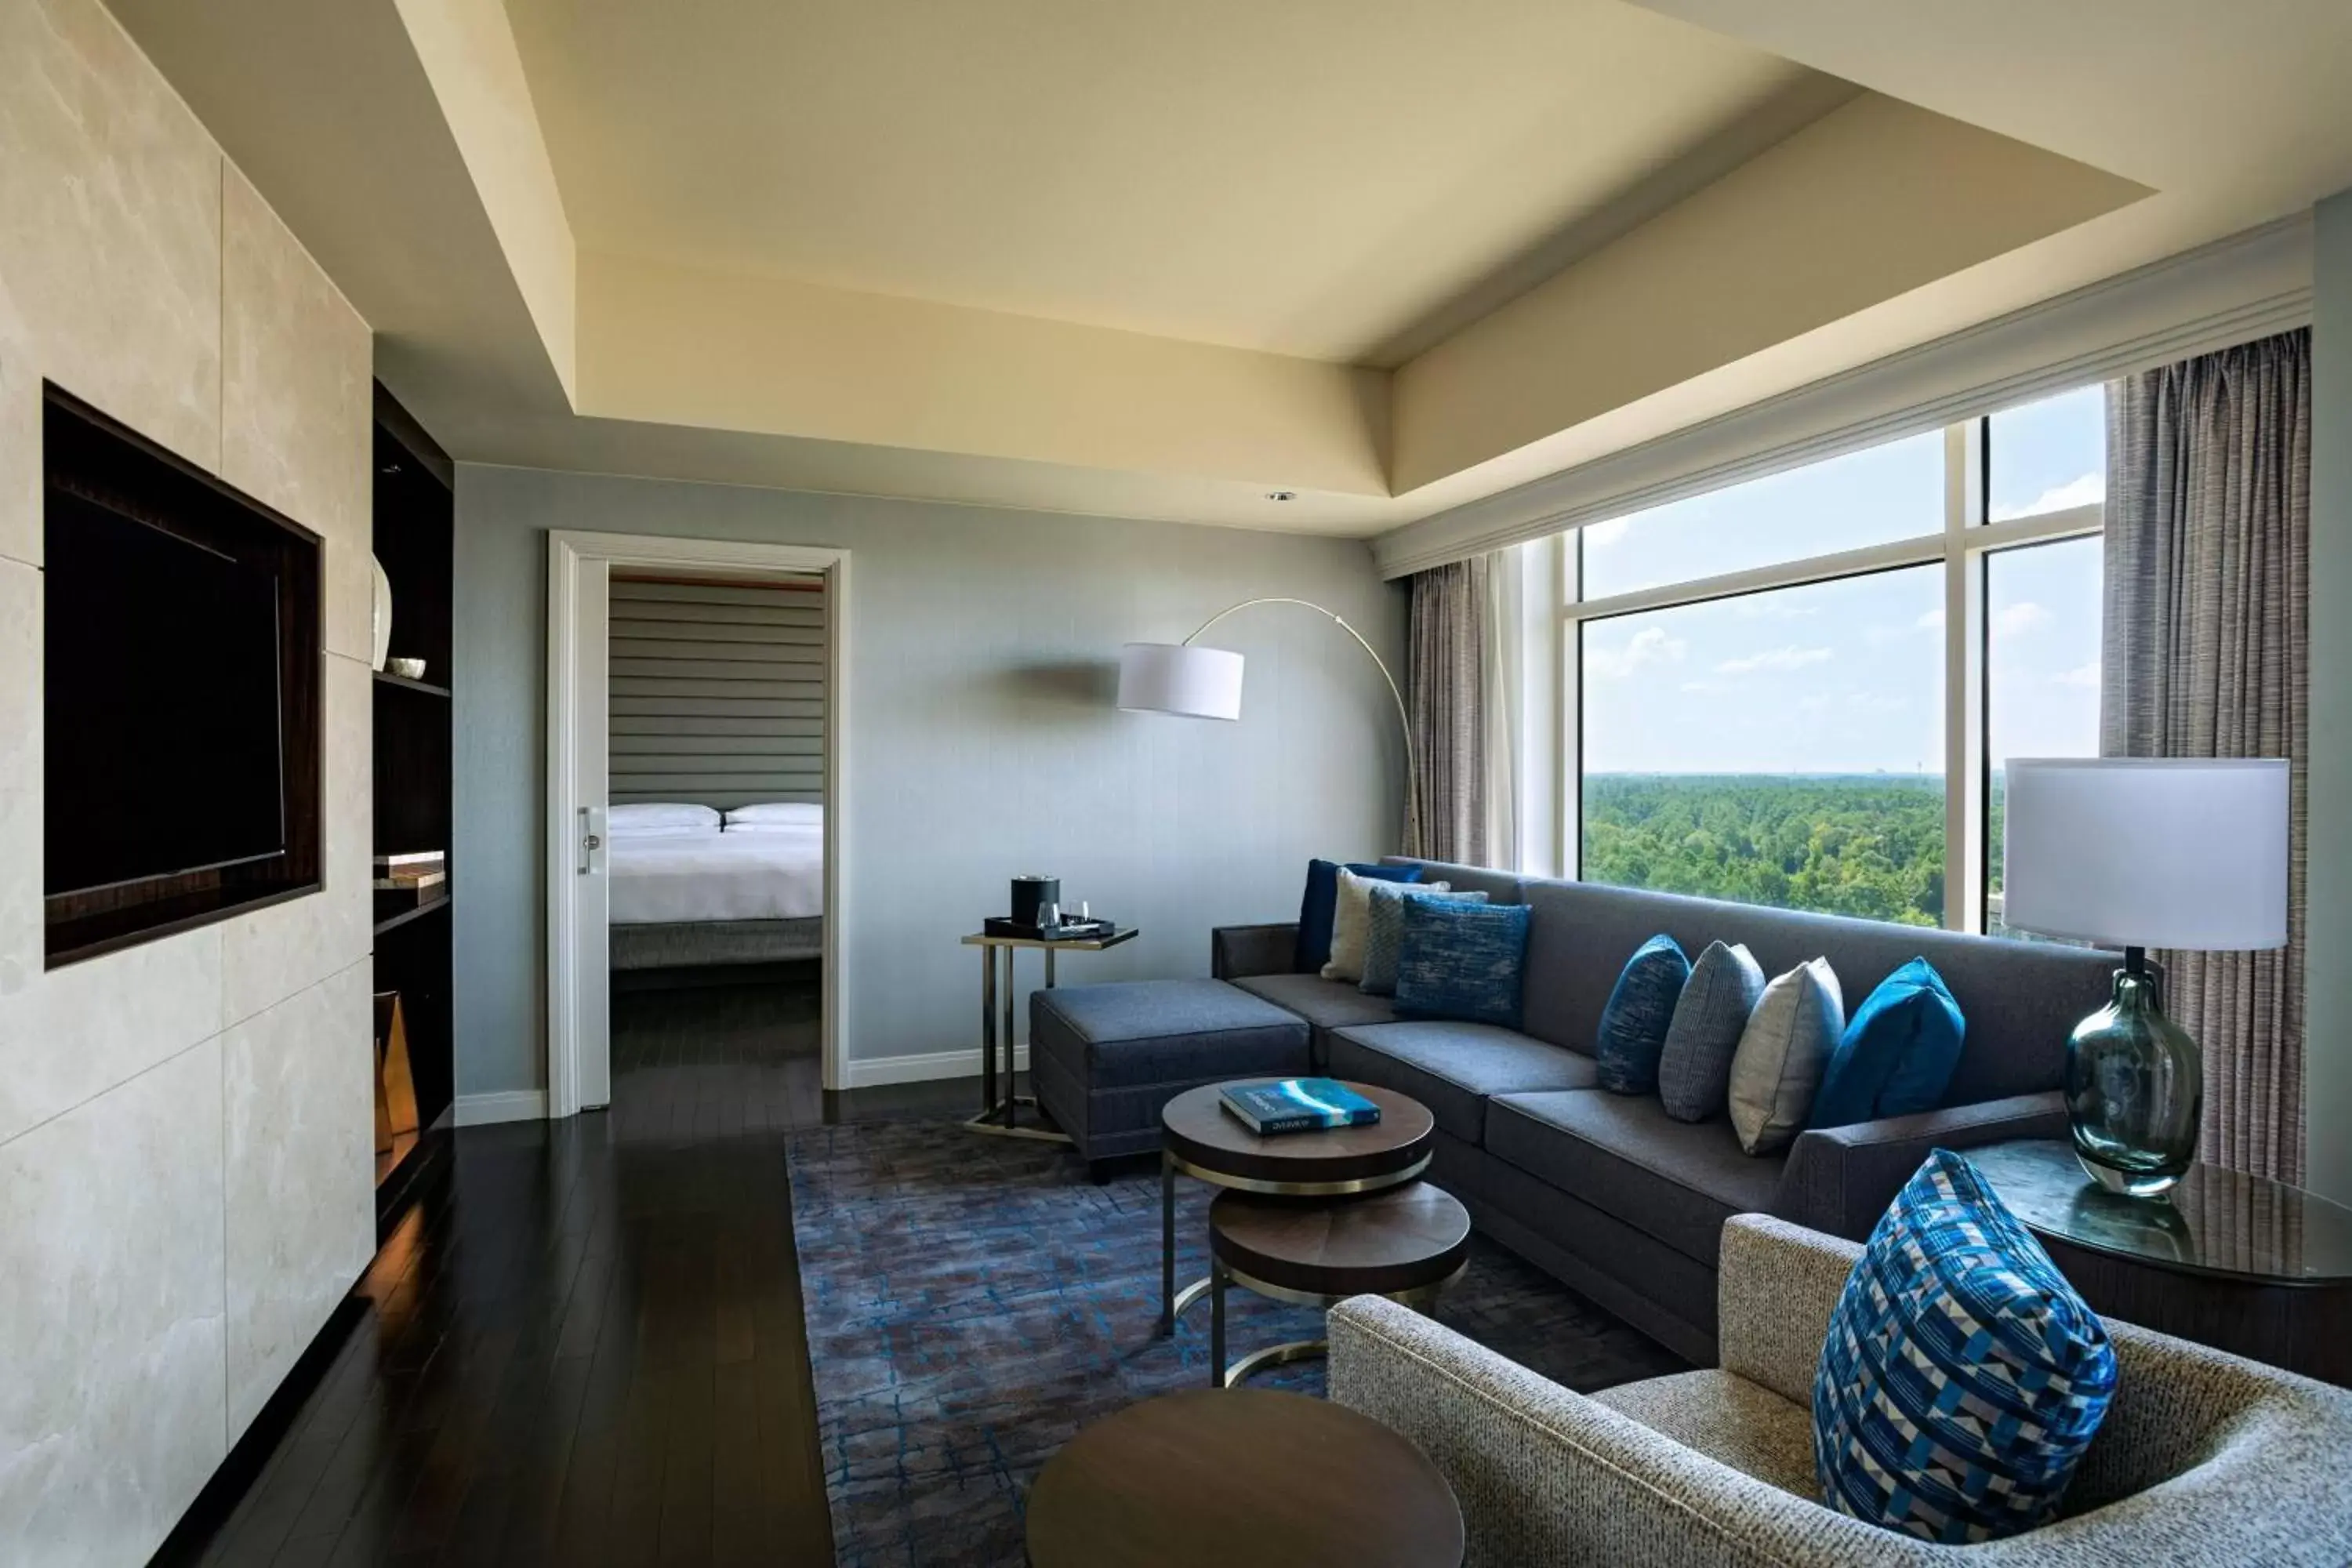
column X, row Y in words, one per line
column 1962, row 1377
column 1896, row 1056
column 1632, row 1030
column 1313, row 949
column 1461, row 961
column 1384, row 932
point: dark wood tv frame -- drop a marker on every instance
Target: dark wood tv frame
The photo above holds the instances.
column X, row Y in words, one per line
column 86, row 451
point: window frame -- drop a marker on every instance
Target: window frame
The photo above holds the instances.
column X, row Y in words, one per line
column 1961, row 547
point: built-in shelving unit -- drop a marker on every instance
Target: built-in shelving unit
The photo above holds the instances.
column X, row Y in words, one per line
column 416, row 517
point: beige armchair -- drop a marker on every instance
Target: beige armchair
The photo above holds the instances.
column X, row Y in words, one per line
column 2204, row 1458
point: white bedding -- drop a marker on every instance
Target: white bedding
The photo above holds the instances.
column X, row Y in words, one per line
column 714, row 875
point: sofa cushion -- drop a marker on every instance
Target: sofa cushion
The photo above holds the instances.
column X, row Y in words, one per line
column 1454, row 1067
column 1898, row 1052
column 1695, row 1067
column 1677, row 1180
column 1385, row 929
column 1730, row 1420
column 1465, row 962
column 1318, row 904
column 1164, row 1031
column 1641, row 1006
column 1778, row 1067
column 1325, row 1004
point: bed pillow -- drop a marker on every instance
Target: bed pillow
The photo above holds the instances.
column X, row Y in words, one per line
column 778, row 812
column 1641, row 1006
column 1962, row 1377
column 1322, row 895
column 659, row 814
column 1778, row 1064
column 1896, row 1056
column 1695, row 1068
column 1385, row 929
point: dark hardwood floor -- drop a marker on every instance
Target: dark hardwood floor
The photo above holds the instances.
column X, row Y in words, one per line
column 583, row 1343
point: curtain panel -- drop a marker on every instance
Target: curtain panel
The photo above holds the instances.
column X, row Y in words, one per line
column 1446, row 704
column 2205, row 653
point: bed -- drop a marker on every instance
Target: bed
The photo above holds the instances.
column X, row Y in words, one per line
column 687, row 890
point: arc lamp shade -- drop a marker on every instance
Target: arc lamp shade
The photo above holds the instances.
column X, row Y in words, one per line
column 1181, row 679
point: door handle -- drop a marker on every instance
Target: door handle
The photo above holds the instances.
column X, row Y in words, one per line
column 591, row 840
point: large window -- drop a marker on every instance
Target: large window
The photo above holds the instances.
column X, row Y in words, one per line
column 1800, row 690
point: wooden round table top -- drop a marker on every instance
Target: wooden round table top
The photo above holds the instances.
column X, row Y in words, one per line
column 1202, row 1133
column 1239, row 1478
column 1405, row 1238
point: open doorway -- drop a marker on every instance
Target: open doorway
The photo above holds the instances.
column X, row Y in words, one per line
column 696, row 749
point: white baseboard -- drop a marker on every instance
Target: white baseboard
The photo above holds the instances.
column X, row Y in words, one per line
column 871, row 1071
column 507, row 1105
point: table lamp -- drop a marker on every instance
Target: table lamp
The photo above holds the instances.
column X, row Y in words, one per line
column 2138, row 852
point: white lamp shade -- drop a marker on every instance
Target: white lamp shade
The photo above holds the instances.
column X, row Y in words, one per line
column 2147, row 852
column 1172, row 677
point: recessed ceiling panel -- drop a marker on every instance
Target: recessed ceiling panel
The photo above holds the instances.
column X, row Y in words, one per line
column 1338, row 179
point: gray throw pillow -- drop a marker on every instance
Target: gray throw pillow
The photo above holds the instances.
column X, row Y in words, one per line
column 1694, row 1069
column 1384, row 930
column 1782, row 1051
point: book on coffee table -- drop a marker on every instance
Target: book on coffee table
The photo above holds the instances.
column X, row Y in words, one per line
column 1298, row 1105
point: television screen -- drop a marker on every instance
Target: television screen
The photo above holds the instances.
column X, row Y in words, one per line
column 162, row 742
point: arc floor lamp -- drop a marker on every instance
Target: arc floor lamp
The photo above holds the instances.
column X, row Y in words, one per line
column 1195, row 682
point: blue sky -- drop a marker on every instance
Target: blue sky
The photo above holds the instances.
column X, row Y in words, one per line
column 1847, row 676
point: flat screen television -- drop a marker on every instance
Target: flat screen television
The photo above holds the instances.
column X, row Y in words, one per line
column 161, row 663
column 180, row 691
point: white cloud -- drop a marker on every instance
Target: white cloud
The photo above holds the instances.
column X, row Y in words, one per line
column 2084, row 675
column 1778, row 658
column 1933, row 621
column 1710, row 688
column 2014, row 620
column 1649, row 646
column 2088, row 490
column 1601, row 535
column 1771, row 607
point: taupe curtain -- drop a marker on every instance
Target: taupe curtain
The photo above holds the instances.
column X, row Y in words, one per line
column 1446, row 702
column 2205, row 653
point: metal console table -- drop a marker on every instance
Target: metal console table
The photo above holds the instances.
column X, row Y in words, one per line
column 1000, row 1114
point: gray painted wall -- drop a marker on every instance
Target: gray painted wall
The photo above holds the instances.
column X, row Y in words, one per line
column 717, row 691
column 982, row 646
column 2328, row 1080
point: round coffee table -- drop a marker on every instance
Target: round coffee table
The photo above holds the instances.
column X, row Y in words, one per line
column 1242, row 1476
column 1406, row 1243
column 1200, row 1138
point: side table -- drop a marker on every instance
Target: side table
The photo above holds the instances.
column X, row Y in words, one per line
column 2242, row 1263
column 1000, row 1114
column 1199, row 1139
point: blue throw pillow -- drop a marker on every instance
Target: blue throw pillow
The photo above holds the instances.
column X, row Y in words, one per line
column 1314, row 949
column 1897, row 1053
column 1640, row 1006
column 1962, row 1377
column 1461, row 961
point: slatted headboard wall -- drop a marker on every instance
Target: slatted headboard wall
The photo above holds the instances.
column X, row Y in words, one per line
column 718, row 690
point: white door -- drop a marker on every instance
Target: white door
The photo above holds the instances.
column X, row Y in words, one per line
column 581, row 932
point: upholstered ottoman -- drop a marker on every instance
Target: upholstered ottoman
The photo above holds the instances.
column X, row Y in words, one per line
column 1104, row 1059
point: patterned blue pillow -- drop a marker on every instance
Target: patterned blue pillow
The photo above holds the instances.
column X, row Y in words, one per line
column 1461, row 961
column 1640, row 1006
column 1962, row 1377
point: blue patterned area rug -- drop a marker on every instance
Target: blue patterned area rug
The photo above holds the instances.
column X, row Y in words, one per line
column 973, row 1301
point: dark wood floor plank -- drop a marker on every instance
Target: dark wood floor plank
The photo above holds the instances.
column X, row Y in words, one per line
column 585, row 1345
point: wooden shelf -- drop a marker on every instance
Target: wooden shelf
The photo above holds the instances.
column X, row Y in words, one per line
column 385, row 678
column 394, row 923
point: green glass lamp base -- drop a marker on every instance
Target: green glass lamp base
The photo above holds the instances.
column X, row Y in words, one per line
column 2135, row 1089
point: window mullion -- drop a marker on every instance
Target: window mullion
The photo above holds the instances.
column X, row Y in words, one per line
column 1964, row 712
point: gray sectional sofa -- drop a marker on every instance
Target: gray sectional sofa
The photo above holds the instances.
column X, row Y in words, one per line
column 1606, row 1191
